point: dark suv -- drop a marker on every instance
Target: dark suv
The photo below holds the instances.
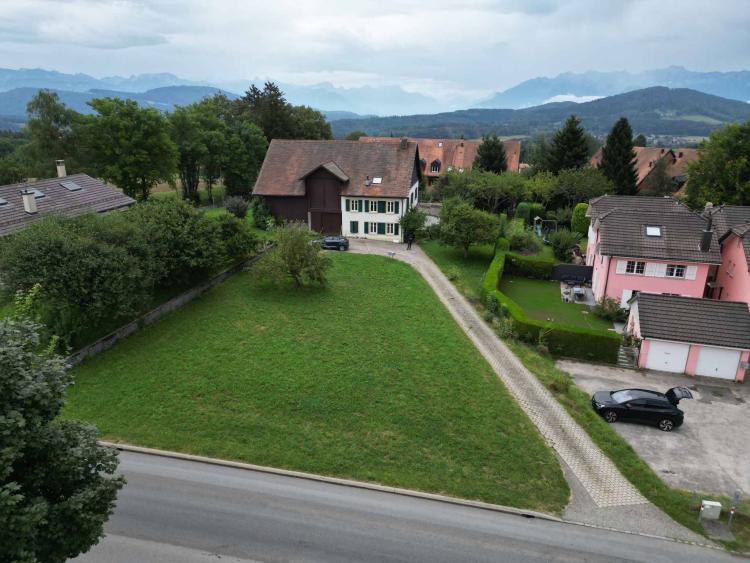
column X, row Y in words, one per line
column 642, row 405
column 333, row 242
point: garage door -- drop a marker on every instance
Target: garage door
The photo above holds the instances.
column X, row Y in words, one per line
column 717, row 362
column 667, row 356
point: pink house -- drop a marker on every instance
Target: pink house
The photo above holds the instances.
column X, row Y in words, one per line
column 690, row 335
column 732, row 225
column 649, row 244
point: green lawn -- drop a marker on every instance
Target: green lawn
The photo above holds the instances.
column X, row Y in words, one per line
column 451, row 261
column 369, row 379
column 540, row 299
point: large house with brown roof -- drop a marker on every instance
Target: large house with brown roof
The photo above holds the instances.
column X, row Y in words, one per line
column 647, row 157
column 443, row 155
column 341, row 187
column 22, row 204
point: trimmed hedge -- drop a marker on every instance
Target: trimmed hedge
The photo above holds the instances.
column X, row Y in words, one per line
column 529, row 266
column 561, row 339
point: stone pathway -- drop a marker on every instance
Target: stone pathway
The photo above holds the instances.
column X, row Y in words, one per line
column 594, row 472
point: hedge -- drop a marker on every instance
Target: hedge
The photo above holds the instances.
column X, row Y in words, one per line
column 529, row 266
column 561, row 339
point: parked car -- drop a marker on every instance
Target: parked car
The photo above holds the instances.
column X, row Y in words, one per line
column 642, row 405
column 333, row 242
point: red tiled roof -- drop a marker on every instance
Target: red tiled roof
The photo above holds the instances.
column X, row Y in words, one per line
column 454, row 153
column 287, row 163
column 645, row 159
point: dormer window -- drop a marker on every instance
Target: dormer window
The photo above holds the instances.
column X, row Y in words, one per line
column 377, row 180
column 422, row 163
column 435, row 166
column 652, row 231
column 440, row 144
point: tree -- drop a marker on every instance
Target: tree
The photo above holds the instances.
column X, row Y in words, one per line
column 296, row 257
column 538, row 153
column 269, row 110
column 11, row 171
column 569, row 147
column 133, row 148
column 355, row 135
column 491, row 155
column 618, row 158
column 579, row 223
column 189, row 137
column 495, row 192
column 57, row 484
column 246, row 149
column 563, row 241
column 413, row 221
column 640, row 141
column 721, row 174
column 462, row 225
column 576, row 185
column 310, row 124
column 658, row 182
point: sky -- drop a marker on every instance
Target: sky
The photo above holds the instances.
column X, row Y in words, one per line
column 447, row 48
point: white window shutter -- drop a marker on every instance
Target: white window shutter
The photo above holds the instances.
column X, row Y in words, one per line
column 621, row 265
column 661, row 270
column 626, row 295
column 651, row 270
column 691, row 272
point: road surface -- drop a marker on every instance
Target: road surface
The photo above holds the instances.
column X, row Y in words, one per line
column 176, row 510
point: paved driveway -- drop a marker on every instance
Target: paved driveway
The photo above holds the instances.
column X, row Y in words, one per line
column 709, row 452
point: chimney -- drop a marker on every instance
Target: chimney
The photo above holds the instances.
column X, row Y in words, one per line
column 367, row 181
column 707, row 234
column 404, row 143
column 29, row 202
column 61, row 173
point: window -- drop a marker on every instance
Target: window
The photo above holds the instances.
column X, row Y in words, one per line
column 635, row 267
column 373, row 206
column 652, row 231
column 435, row 166
column 3, row 202
column 675, row 271
column 390, row 207
column 354, row 227
column 373, row 228
column 381, row 228
column 377, row 180
column 389, row 228
column 71, row 186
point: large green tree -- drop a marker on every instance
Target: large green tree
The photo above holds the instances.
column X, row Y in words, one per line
column 573, row 186
column 310, row 124
column 722, row 172
column 355, row 135
column 11, row 170
column 57, row 484
column 133, row 148
column 245, row 151
column 618, row 158
column 462, row 225
column 190, row 139
column 491, row 155
column 294, row 256
column 569, row 147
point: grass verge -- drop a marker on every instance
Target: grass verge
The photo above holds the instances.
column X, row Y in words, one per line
column 346, row 381
column 465, row 273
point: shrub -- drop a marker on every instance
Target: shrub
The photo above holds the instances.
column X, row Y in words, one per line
column 562, row 215
column 237, row 206
column 609, row 309
column 579, row 223
column 503, row 244
column 261, row 212
column 236, row 237
column 492, row 303
column 453, row 273
column 536, row 210
column 523, row 211
column 295, row 257
column 504, row 328
column 529, row 266
column 562, row 242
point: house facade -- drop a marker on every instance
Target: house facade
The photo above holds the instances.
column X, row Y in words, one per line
column 654, row 245
column 438, row 156
column 341, row 187
column 695, row 336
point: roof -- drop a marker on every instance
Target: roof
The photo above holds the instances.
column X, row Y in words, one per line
column 622, row 232
column 94, row 195
column 288, row 162
column 645, row 158
column 741, row 231
column 694, row 320
column 682, row 158
column 727, row 217
column 602, row 204
column 458, row 154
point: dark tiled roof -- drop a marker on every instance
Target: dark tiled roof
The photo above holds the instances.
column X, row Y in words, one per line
column 690, row 319
column 289, row 161
column 726, row 217
column 600, row 205
column 94, row 196
column 623, row 233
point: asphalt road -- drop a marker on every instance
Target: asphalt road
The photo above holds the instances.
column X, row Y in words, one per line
column 175, row 510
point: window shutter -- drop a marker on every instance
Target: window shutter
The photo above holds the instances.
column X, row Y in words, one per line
column 347, row 204
column 359, row 205
column 691, row 272
column 395, row 228
column 651, row 269
column 621, row 265
column 661, row 270
column 353, row 227
column 367, row 206
column 395, row 207
column 381, row 228
column 381, row 207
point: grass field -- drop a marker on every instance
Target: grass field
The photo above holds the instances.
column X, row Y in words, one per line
column 369, row 379
column 451, row 261
column 540, row 299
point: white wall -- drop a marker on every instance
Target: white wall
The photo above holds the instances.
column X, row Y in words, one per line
column 374, row 217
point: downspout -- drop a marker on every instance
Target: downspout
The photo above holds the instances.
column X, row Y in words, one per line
column 606, row 279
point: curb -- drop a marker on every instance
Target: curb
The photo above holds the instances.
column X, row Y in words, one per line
column 334, row 481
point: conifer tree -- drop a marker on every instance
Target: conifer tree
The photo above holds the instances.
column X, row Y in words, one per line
column 491, row 155
column 569, row 147
column 618, row 158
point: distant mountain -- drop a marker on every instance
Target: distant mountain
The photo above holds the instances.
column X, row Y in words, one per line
column 732, row 85
column 652, row 111
column 336, row 115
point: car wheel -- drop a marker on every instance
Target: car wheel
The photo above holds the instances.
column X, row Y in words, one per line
column 666, row 425
column 610, row 416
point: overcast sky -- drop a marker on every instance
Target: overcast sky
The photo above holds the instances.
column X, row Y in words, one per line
column 443, row 46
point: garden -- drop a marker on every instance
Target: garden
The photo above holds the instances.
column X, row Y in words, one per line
column 344, row 380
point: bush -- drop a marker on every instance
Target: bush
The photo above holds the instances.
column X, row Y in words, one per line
column 579, row 223
column 238, row 240
column 237, row 206
column 521, row 239
column 503, row 244
column 529, row 266
column 536, row 210
column 523, row 211
column 453, row 273
column 492, row 304
column 295, row 257
column 261, row 212
column 562, row 216
column 609, row 309
column 562, row 242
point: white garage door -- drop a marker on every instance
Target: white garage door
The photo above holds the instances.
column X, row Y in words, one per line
column 717, row 362
column 667, row 356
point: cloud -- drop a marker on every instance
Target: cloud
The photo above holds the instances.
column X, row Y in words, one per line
column 571, row 98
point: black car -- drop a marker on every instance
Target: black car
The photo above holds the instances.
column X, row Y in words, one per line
column 333, row 242
column 642, row 405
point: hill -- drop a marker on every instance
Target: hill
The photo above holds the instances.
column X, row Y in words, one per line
column 652, row 111
column 732, row 85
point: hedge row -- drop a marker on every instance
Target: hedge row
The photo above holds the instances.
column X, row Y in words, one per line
column 561, row 339
column 529, row 266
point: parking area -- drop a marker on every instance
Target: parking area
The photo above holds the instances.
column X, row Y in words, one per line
column 710, row 452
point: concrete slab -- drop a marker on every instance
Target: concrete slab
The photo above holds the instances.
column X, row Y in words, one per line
column 710, row 452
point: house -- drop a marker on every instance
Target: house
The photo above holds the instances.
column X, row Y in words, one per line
column 647, row 157
column 691, row 335
column 443, row 155
column 341, row 187
column 649, row 244
column 22, row 204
